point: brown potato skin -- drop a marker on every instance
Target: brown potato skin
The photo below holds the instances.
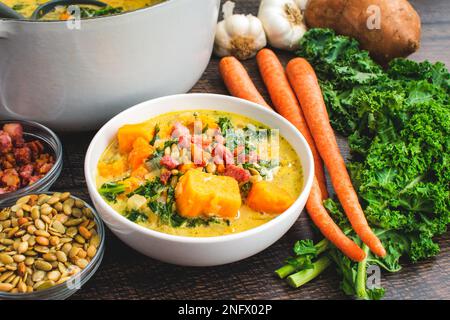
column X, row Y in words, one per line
column 399, row 33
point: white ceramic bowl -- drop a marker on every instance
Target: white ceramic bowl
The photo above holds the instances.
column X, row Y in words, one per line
column 188, row 250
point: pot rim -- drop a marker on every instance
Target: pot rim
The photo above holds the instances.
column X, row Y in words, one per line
column 111, row 16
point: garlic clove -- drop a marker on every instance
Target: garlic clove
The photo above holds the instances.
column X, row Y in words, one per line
column 239, row 35
column 283, row 23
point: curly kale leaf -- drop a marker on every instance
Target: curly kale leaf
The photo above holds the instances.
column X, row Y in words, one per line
column 110, row 190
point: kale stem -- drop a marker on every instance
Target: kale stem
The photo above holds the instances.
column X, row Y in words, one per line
column 361, row 276
column 300, row 278
column 288, row 269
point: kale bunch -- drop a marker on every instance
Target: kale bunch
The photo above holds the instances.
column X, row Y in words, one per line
column 398, row 124
column 397, row 121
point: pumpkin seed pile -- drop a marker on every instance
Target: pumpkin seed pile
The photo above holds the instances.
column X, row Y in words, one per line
column 45, row 240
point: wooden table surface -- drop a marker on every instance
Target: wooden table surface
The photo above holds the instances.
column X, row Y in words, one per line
column 126, row 274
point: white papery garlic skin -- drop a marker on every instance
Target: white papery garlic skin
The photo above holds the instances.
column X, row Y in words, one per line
column 301, row 4
column 238, row 35
column 283, row 23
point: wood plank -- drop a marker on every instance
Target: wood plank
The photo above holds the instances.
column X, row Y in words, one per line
column 126, row 274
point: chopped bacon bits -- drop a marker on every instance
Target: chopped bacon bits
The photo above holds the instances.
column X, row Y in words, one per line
column 238, row 173
column 165, row 176
column 168, row 162
column 21, row 163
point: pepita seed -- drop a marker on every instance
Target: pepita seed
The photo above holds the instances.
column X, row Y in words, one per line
column 46, row 219
column 53, row 200
column 31, row 241
column 6, row 259
column 73, row 222
column 31, row 229
column 82, row 263
column 82, row 254
column 62, row 280
column 30, row 253
column 58, row 226
column 23, row 199
column 66, row 248
column 15, row 281
column 74, row 252
column 4, row 214
column 39, row 224
column 5, row 276
column 78, row 238
column 54, row 275
column 19, row 257
column 43, row 265
column 39, row 275
column 54, row 241
column 22, row 221
column 21, row 269
column 35, row 213
column 26, row 207
column 43, row 199
column 43, row 241
column 44, row 285
column 62, row 268
column 72, row 231
column 61, row 256
column 6, row 287
column 41, row 249
column 50, row 257
column 77, row 213
column 10, row 278
column 41, row 233
column 11, row 267
column 88, row 213
column 23, row 247
column 46, row 210
column 64, row 196
column 85, row 232
column 12, row 232
column 29, row 261
column 95, row 241
column 22, row 287
column 58, row 206
column 79, row 203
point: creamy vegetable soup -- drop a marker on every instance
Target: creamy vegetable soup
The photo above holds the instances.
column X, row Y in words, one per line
column 26, row 8
column 199, row 173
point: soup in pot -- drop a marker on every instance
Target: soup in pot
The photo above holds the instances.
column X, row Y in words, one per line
column 27, row 7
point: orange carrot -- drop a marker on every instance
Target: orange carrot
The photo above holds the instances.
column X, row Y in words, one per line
column 329, row 229
column 304, row 82
column 238, row 81
column 286, row 104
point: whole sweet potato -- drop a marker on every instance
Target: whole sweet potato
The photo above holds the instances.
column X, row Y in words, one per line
column 386, row 28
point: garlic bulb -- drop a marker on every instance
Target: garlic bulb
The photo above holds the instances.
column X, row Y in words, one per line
column 238, row 35
column 283, row 22
column 301, row 4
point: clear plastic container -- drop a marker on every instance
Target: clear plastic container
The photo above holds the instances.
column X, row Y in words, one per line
column 72, row 285
column 32, row 131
